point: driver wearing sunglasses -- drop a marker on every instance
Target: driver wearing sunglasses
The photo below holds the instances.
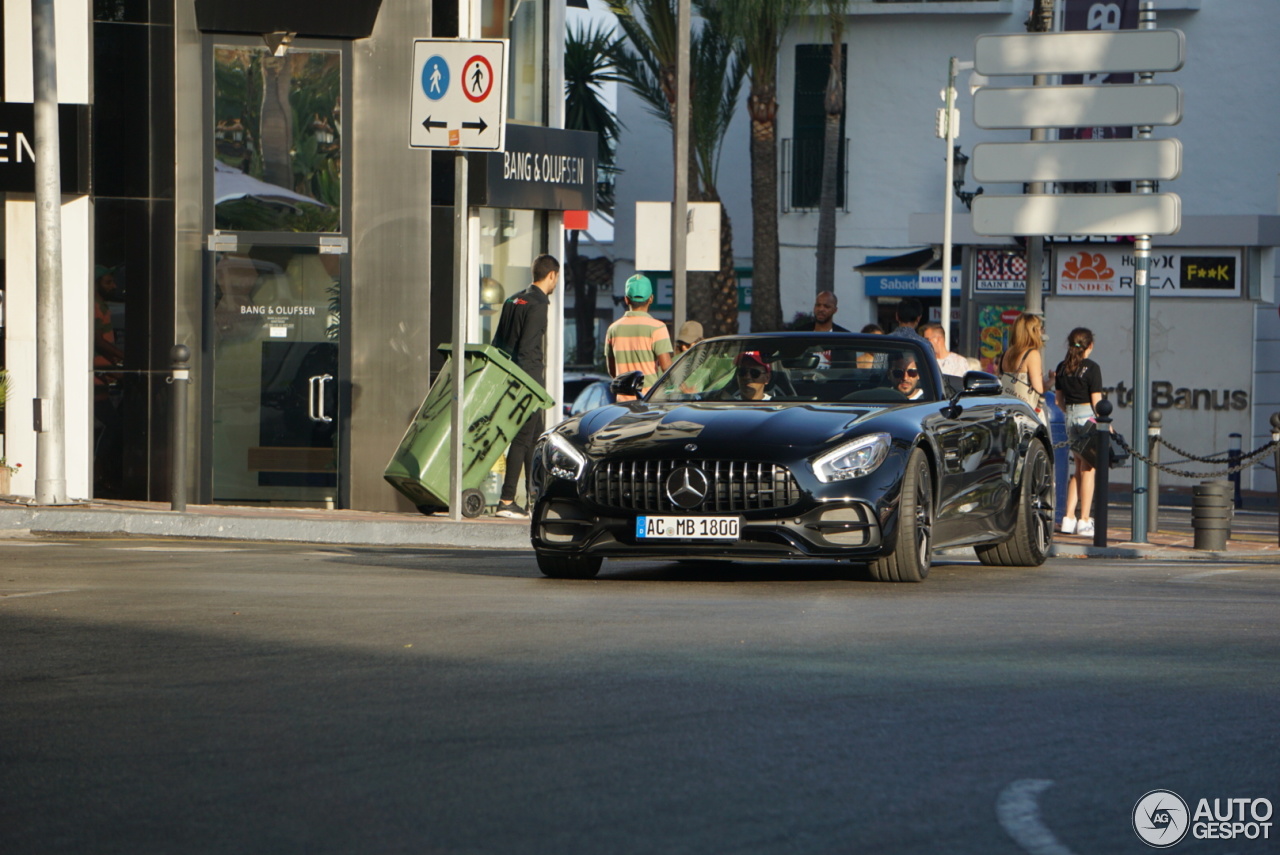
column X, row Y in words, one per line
column 753, row 375
column 906, row 377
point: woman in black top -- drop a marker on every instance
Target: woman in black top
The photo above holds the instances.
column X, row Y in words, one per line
column 1079, row 389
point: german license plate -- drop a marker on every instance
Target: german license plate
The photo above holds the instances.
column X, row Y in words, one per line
column 687, row 528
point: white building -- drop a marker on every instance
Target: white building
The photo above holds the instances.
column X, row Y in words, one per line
column 1215, row 351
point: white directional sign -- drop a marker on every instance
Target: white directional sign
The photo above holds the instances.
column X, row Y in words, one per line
column 1077, row 106
column 1078, row 160
column 458, row 98
column 1077, row 214
column 1087, row 52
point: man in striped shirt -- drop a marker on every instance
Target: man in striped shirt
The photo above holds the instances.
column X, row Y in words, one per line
column 638, row 341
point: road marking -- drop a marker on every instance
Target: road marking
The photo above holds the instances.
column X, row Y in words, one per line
column 1197, row 577
column 37, row 593
column 1019, row 814
column 174, row 549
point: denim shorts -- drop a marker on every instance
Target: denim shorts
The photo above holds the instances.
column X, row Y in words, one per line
column 1078, row 418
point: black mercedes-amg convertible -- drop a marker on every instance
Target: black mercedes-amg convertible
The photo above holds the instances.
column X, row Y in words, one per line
column 797, row 445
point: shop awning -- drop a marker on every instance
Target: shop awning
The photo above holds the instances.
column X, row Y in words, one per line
column 911, row 262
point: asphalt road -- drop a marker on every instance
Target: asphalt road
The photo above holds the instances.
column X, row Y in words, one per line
column 192, row 697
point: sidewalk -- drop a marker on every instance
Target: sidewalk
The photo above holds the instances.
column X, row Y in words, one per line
column 1253, row 532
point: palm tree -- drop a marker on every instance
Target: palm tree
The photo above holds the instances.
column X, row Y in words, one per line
column 647, row 65
column 759, row 26
column 834, row 104
column 588, row 65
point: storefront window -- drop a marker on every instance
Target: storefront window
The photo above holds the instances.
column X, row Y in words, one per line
column 509, row 242
column 523, row 22
column 277, row 139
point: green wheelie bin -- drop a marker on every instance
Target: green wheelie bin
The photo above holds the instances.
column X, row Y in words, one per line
column 499, row 399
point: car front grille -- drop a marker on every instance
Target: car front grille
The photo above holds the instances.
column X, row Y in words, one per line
column 733, row 486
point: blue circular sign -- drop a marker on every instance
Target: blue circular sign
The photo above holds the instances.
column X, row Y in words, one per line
column 435, row 78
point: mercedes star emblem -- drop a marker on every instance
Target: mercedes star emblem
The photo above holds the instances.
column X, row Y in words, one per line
column 687, row 487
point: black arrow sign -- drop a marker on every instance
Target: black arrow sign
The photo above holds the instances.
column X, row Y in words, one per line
column 479, row 126
column 428, row 124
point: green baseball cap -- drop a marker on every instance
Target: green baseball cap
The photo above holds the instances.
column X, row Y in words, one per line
column 639, row 289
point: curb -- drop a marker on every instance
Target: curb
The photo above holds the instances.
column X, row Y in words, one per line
column 424, row 533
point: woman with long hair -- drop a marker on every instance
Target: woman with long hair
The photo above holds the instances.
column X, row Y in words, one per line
column 1079, row 389
column 1022, row 365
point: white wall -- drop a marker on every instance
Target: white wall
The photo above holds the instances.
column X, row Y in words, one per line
column 72, row 26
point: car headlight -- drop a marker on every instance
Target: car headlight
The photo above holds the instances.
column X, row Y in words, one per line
column 562, row 459
column 853, row 459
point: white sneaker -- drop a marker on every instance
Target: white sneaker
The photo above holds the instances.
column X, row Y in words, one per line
column 1068, row 525
column 1085, row 529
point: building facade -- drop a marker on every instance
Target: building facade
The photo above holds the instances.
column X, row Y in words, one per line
column 893, row 189
column 253, row 197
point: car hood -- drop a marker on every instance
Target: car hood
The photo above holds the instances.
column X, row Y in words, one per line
column 721, row 430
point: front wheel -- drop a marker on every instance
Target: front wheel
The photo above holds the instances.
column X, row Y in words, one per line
column 568, row 566
column 913, row 543
column 1033, row 527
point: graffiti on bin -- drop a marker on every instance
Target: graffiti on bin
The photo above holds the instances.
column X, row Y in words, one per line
column 505, row 409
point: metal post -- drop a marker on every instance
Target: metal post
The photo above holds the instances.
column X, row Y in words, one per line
column 1102, row 477
column 1040, row 21
column 458, row 359
column 1142, row 322
column 948, row 203
column 1275, row 437
column 680, row 202
column 179, row 380
column 1233, row 460
column 1153, row 474
column 49, row 407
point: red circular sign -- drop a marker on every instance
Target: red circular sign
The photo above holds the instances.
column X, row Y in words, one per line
column 1010, row 316
column 477, row 79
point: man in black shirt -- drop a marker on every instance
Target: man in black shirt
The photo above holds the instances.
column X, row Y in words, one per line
column 520, row 333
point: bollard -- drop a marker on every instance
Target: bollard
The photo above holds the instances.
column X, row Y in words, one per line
column 179, row 357
column 1211, row 514
column 1061, row 459
column 1275, row 437
column 1153, row 471
column 1102, row 473
column 1233, row 460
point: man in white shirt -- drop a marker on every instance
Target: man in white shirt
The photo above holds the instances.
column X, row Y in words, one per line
column 950, row 363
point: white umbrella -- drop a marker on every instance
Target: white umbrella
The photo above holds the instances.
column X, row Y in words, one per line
column 230, row 183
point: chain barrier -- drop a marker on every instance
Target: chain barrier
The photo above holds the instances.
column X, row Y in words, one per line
column 1246, row 460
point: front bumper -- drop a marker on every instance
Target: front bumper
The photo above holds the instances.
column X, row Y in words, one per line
column 836, row 528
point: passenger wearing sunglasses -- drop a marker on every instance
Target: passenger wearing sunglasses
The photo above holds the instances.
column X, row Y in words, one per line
column 906, row 377
column 753, row 375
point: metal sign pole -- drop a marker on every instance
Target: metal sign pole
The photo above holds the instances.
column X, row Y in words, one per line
column 1142, row 327
column 458, row 357
column 949, row 97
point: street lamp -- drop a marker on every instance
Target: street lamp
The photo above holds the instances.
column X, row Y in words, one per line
column 960, row 160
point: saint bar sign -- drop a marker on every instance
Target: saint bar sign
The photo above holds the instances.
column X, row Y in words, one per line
column 18, row 144
column 544, row 169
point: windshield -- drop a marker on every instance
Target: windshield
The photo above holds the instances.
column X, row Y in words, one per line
column 822, row 368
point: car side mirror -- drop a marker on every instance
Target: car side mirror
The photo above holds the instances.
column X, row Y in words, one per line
column 632, row 383
column 980, row 383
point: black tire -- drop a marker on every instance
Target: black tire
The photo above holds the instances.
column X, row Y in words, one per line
column 428, row 510
column 1033, row 527
column 568, row 566
column 472, row 503
column 913, row 543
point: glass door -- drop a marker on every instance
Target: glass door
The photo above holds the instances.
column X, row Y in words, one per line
column 275, row 401
column 274, row 271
